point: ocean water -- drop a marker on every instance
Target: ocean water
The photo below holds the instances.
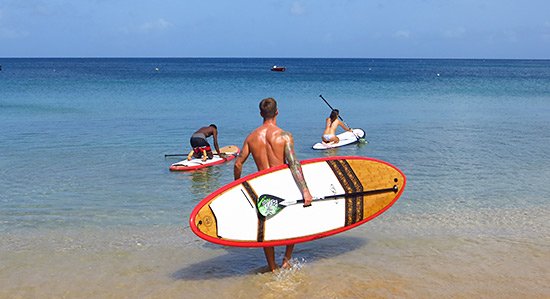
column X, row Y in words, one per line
column 88, row 207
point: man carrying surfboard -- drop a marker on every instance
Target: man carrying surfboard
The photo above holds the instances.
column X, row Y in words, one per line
column 332, row 123
column 200, row 147
column 271, row 146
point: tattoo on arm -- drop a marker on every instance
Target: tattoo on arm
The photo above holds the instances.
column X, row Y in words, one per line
column 294, row 164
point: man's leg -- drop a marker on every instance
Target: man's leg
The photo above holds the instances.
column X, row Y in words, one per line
column 288, row 256
column 270, row 257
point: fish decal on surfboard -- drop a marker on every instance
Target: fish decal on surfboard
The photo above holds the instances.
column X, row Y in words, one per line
column 265, row 208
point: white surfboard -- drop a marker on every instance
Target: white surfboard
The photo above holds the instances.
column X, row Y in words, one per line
column 346, row 138
column 349, row 190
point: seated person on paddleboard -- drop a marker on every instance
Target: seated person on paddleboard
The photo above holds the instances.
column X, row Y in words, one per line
column 200, row 147
column 270, row 146
column 332, row 123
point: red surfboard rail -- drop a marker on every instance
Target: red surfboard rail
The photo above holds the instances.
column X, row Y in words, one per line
column 227, row 242
column 230, row 157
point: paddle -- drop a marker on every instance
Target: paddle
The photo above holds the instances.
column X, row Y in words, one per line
column 180, row 155
column 174, row 155
column 358, row 139
column 269, row 205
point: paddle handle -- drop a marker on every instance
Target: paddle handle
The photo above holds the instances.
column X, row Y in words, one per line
column 368, row 192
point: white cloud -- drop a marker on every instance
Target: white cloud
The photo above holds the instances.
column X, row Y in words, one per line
column 510, row 36
column 546, row 31
column 297, row 8
column 327, row 38
column 11, row 33
column 157, row 25
column 403, row 34
column 454, row 33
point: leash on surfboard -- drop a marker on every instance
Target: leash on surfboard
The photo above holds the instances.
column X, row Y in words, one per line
column 269, row 205
column 362, row 140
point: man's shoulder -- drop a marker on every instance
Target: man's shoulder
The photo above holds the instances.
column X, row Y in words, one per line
column 270, row 133
column 253, row 135
column 285, row 134
column 209, row 131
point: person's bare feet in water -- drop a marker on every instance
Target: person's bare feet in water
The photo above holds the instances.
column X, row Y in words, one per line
column 288, row 255
column 286, row 264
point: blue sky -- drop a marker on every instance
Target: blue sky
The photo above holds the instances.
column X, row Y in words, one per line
column 269, row 28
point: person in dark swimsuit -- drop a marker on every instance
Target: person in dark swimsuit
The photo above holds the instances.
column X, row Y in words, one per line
column 200, row 148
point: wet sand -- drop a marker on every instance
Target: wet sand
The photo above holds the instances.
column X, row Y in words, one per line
column 417, row 256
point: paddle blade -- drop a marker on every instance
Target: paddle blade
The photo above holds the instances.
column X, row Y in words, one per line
column 269, row 205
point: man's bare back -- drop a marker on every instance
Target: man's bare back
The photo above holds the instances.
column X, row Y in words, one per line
column 207, row 131
column 270, row 146
column 266, row 145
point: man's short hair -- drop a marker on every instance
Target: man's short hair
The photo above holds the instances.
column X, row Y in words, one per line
column 268, row 108
column 213, row 125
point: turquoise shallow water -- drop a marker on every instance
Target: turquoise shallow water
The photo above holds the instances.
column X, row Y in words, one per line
column 82, row 167
column 83, row 140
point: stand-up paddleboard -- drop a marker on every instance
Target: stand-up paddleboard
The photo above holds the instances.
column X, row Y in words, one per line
column 345, row 139
column 349, row 191
column 186, row 165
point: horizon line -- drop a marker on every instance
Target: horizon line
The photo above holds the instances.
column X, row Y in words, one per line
column 261, row 57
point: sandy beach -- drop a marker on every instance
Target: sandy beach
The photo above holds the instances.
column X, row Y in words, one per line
column 388, row 257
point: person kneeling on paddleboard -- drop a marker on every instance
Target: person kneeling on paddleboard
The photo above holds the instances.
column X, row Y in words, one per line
column 270, row 146
column 332, row 123
column 200, row 147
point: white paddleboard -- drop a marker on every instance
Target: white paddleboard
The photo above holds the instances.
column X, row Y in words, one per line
column 346, row 138
column 229, row 216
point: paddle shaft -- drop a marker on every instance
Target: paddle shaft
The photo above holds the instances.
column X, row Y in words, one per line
column 333, row 109
column 179, row 155
column 368, row 192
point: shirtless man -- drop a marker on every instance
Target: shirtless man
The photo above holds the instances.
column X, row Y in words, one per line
column 200, row 147
column 332, row 123
column 270, row 146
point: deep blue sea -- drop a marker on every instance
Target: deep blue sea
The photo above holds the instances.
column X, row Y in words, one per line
column 82, row 144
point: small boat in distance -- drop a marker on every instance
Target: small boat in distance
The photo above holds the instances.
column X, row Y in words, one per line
column 278, row 68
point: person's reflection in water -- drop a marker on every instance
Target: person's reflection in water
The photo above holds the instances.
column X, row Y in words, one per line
column 205, row 181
